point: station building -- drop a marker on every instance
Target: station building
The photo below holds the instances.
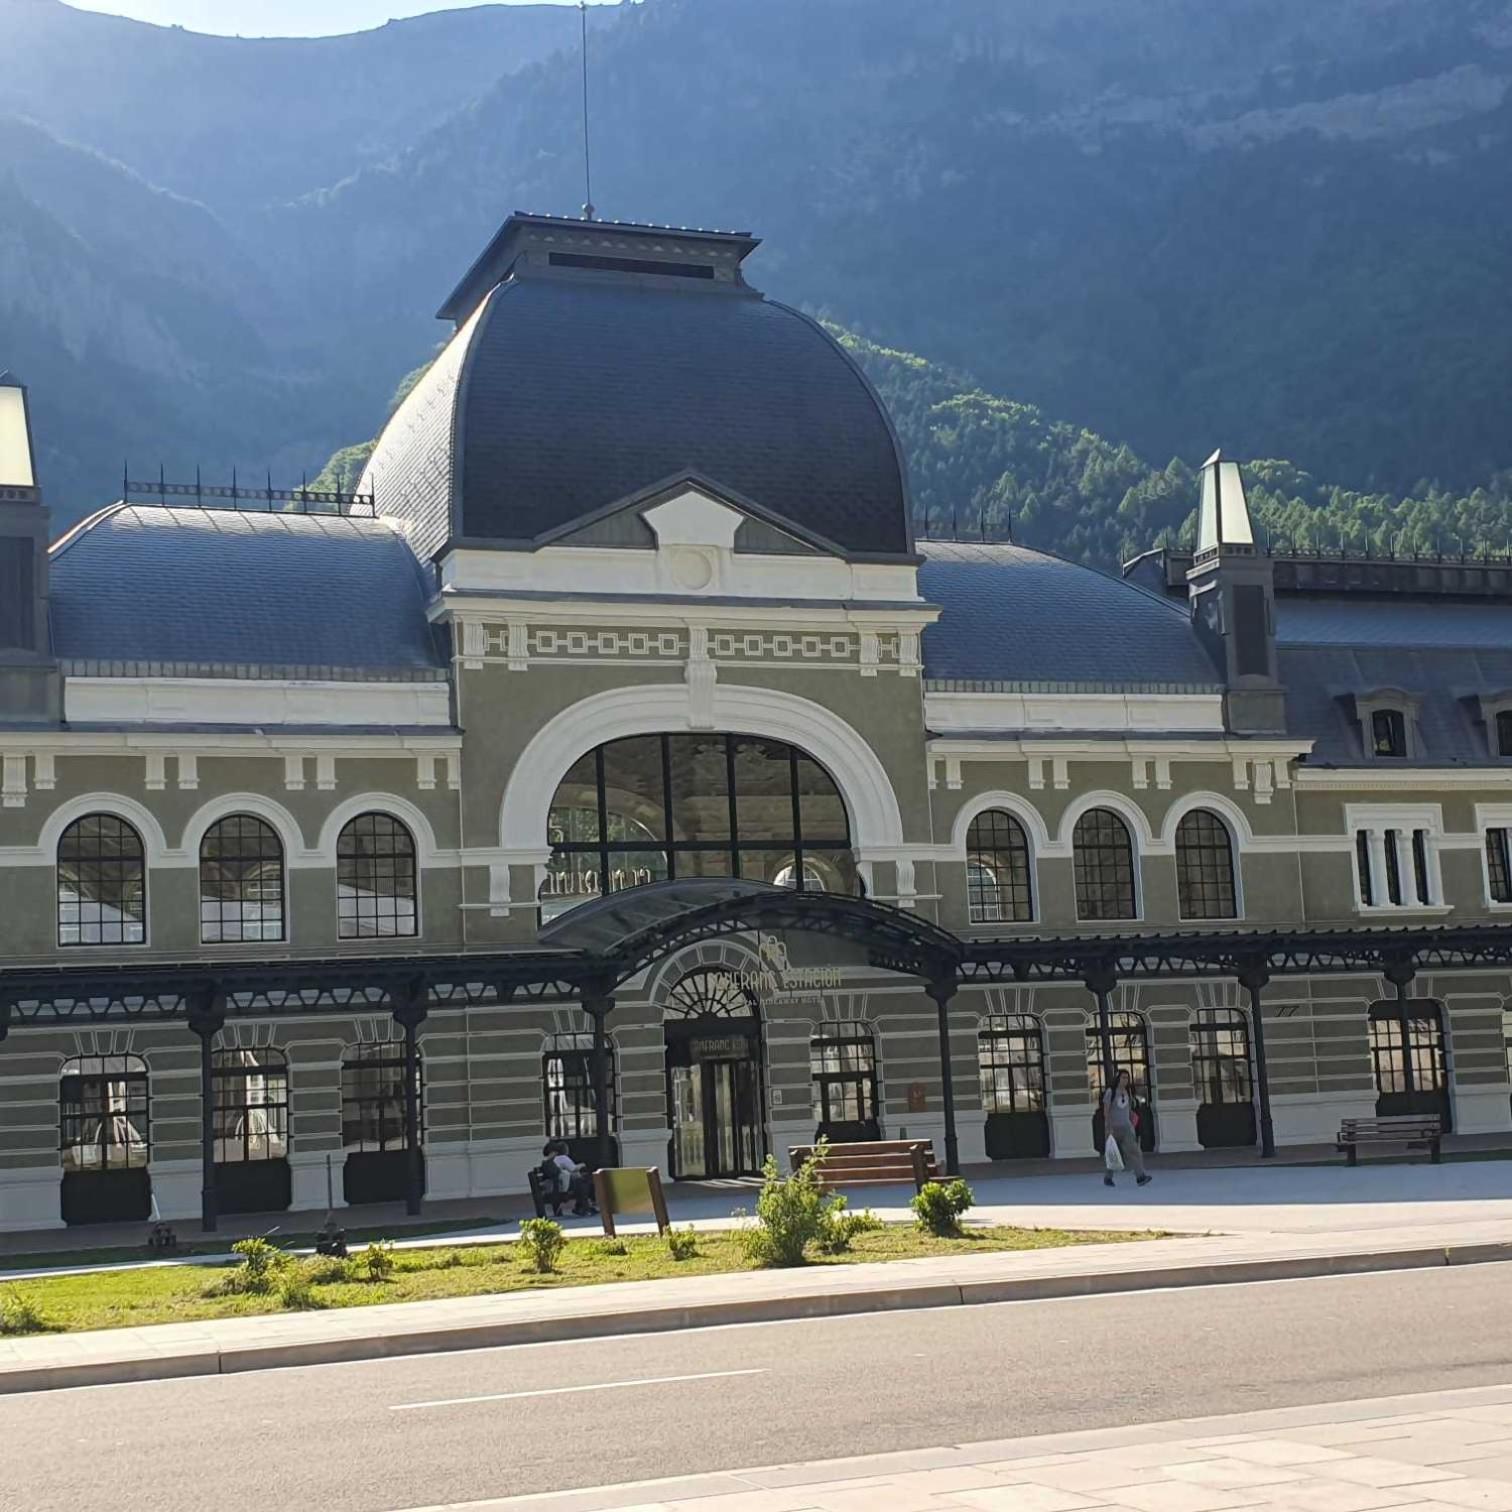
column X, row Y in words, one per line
column 629, row 597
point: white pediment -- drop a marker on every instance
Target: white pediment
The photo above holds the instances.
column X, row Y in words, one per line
column 693, row 518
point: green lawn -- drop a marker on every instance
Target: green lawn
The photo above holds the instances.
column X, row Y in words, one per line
column 187, row 1293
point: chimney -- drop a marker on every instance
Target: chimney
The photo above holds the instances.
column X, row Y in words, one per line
column 30, row 689
column 1232, row 593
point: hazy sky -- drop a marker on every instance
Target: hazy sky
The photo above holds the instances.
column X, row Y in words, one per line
column 280, row 18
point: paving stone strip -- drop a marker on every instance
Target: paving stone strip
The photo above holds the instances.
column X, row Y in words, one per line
column 1436, row 1452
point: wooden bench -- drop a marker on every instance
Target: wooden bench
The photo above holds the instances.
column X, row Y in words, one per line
column 1415, row 1130
column 877, row 1162
column 545, row 1195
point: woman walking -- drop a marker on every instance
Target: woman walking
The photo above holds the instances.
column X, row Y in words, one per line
column 1120, row 1120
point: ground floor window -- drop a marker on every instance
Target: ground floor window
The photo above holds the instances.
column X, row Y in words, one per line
column 105, row 1138
column 843, row 1065
column 1130, row 1043
column 375, row 1120
column 1011, row 1068
column 1221, row 1077
column 567, row 1076
column 251, row 1105
column 1407, row 1054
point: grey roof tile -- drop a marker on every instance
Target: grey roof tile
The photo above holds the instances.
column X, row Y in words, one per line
column 139, row 584
column 1011, row 615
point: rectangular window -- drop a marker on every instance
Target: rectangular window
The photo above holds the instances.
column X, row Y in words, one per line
column 16, row 618
column 1362, row 864
column 1393, row 868
column 1420, row 865
column 1499, row 865
column 1504, row 733
column 1388, row 733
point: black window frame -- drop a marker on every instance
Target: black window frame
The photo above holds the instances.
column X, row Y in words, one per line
column 360, row 868
column 1362, row 865
column 567, row 1087
column 1127, row 1028
column 1207, row 881
column 1388, row 734
column 1013, row 1043
column 1425, row 1043
column 227, row 1071
column 997, row 842
column 85, row 1094
column 1220, row 1048
column 117, row 873
column 385, row 1056
column 1104, row 862
column 794, row 852
column 239, row 866
column 831, row 1040
column 1498, row 864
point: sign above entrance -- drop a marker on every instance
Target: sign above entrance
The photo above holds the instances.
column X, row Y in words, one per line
column 775, row 978
column 713, row 1048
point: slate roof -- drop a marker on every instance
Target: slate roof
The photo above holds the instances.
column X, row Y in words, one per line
column 1020, row 617
column 197, row 592
column 577, row 393
column 1446, row 654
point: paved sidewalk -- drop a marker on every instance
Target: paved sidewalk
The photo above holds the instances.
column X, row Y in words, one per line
column 279, row 1340
column 1436, row 1452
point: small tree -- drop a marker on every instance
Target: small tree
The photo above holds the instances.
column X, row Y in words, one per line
column 938, row 1207
column 792, row 1212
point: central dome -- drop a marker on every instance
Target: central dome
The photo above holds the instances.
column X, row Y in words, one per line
column 594, row 361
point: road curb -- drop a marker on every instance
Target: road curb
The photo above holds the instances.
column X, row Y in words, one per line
column 280, row 1355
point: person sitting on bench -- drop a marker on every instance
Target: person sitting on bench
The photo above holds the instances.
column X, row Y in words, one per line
column 570, row 1177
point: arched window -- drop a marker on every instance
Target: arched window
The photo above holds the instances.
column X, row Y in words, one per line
column 999, row 885
column 375, row 1120
column 241, row 881
column 376, row 887
column 1011, row 1065
column 102, row 883
column 1205, row 867
column 1104, row 863
column 651, row 807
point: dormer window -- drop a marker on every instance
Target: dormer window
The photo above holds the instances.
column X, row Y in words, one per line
column 1388, row 724
column 1504, row 733
column 1388, row 733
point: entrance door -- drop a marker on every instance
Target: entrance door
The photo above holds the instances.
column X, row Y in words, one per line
column 843, row 1064
column 1407, row 1051
column 714, row 1093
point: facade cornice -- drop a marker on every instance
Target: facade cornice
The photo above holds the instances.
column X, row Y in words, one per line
column 1403, row 779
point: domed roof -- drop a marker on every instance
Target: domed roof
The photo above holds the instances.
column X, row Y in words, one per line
column 596, row 361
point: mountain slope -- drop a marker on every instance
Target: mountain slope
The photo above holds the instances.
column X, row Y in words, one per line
column 982, row 465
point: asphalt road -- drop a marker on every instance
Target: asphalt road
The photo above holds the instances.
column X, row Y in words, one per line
column 406, row 1433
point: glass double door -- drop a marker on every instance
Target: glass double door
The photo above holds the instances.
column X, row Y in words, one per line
column 714, row 1097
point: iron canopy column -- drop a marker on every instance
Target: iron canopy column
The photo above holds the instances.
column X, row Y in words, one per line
column 1100, row 982
column 1253, row 977
column 1401, row 973
column 207, row 1017
column 409, row 1015
column 598, row 1004
column 942, row 990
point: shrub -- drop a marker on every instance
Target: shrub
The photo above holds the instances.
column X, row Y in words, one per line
column 614, row 1247
column 329, row 1270
column 20, row 1315
column 260, row 1267
column 938, row 1207
column 841, row 1228
column 375, row 1263
column 542, row 1240
column 792, row 1213
column 682, row 1244
column 295, row 1286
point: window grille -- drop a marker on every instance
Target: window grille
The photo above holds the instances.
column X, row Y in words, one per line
column 104, row 1110
column 843, row 1065
column 373, row 1115
column 101, row 883
column 999, row 884
column 1104, row 865
column 376, row 884
column 241, row 881
column 1221, row 1057
column 1011, row 1064
column 567, row 1073
column 251, row 1099
column 1205, row 867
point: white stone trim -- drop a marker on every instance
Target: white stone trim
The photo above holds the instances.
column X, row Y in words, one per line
column 1025, row 812
column 284, row 825
column 1240, row 833
column 871, row 804
column 1145, row 841
column 427, row 852
column 254, row 701
column 1114, row 712
column 45, row 852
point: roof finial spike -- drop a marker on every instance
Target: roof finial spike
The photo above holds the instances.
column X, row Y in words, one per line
column 588, row 211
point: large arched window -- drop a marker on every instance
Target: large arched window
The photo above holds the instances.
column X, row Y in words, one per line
column 1205, row 867
column 1104, row 860
column 241, row 881
column 376, row 887
column 567, row 1074
column 999, row 885
column 105, row 1138
column 102, row 883
column 650, row 807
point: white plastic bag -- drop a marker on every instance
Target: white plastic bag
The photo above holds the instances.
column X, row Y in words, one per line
column 1111, row 1157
